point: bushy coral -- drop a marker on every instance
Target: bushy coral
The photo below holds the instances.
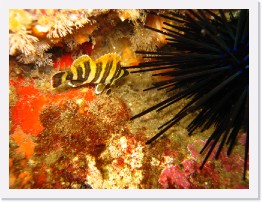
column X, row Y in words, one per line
column 36, row 34
column 19, row 19
column 22, row 42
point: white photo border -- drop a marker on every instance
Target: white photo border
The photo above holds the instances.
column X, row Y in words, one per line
column 254, row 176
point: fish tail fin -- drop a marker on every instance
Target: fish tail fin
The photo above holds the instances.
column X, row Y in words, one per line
column 58, row 79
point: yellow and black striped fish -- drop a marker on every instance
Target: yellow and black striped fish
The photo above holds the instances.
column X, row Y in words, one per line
column 103, row 72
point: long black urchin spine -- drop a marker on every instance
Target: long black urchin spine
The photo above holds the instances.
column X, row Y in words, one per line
column 207, row 56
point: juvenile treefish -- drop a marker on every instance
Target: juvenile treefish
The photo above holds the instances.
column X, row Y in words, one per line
column 103, row 72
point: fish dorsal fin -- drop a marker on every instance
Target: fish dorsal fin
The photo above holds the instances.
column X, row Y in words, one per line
column 83, row 58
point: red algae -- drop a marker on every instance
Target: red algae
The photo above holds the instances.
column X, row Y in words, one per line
column 232, row 163
column 25, row 143
column 63, row 62
column 190, row 166
column 26, row 113
column 173, row 177
column 31, row 101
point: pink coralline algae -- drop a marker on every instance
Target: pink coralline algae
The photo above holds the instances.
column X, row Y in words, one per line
column 233, row 163
column 222, row 173
column 173, row 177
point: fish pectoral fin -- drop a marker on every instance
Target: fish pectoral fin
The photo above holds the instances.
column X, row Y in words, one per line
column 100, row 88
column 108, row 91
column 70, row 84
column 74, row 83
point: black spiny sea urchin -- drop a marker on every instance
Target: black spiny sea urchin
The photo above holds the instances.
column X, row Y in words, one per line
column 207, row 55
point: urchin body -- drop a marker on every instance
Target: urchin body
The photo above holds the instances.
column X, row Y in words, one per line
column 207, row 55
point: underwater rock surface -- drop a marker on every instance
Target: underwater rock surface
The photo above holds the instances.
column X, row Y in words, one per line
column 73, row 138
